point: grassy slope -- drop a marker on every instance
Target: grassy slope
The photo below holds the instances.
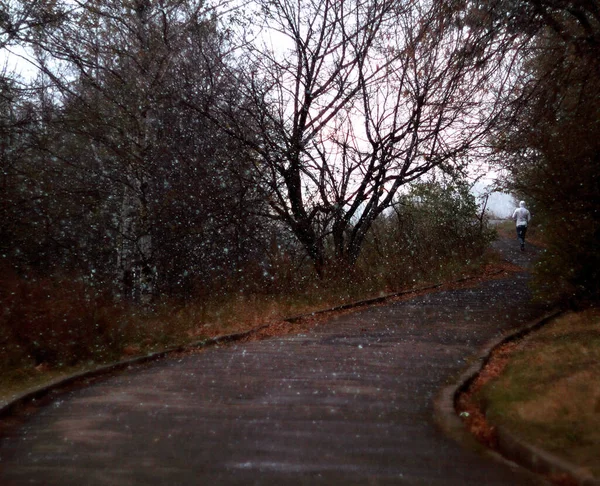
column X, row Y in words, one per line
column 549, row 393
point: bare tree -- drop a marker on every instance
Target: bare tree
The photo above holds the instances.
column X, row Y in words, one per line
column 349, row 101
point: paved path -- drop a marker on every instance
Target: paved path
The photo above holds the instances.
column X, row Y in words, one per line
column 350, row 402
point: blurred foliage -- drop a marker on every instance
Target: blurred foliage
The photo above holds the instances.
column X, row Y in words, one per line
column 54, row 321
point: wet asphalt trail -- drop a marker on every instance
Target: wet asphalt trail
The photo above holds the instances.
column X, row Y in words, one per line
column 350, row 402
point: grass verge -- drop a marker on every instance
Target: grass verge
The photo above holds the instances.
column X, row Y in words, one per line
column 546, row 390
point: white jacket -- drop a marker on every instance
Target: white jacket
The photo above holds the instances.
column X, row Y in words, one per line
column 521, row 215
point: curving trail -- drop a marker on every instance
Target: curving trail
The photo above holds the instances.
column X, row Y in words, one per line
column 350, row 402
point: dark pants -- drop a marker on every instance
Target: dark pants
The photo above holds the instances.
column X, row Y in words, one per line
column 521, row 230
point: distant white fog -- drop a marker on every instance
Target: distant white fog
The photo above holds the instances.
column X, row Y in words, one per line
column 499, row 204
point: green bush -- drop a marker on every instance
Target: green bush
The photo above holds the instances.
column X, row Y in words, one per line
column 434, row 229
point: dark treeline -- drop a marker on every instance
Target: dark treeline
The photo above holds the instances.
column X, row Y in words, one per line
column 161, row 149
column 549, row 140
column 178, row 148
column 108, row 175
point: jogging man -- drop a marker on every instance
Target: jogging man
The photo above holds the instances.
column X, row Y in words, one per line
column 522, row 216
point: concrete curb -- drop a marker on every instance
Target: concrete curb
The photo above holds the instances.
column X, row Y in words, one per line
column 539, row 460
column 509, row 446
column 367, row 302
column 46, row 390
column 383, row 298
